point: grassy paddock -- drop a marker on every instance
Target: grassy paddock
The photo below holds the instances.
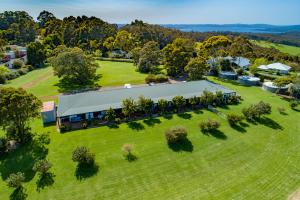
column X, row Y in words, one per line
column 281, row 47
column 43, row 83
column 251, row 161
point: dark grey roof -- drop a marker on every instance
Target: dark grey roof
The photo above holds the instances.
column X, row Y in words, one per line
column 102, row 100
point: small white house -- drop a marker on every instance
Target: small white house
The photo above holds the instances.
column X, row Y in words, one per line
column 48, row 112
column 241, row 62
column 281, row 68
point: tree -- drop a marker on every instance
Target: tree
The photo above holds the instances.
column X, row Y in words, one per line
column 16, row 180
column 3, row 72
column 294, row 104
column 42, row 166
column 124, row 41
column 234, row 119
column 109, row 43
column 128, row 152
column 36, row 54
column 45, row 17
column 148, row 57
column 283, row 81
column 255, row 111
column 145, row 105
column 178, row 102
column 216, row 45
column 209, row 125
column 17, row 64
column 162, row 106
column 52, row 41
column 207, row 98
column 17, row 109
column 241, row 46
column 128, row 107
column 83, row 156
column 177, row 55
column 176, row 134
column 110, row 115
column 258, row 62
column 73, row 66
column 218, row 98
column 196, row 68
column 194, row 101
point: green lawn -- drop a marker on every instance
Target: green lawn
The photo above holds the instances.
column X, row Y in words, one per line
column 249, row 162
column 281, row 47
column 43, row 84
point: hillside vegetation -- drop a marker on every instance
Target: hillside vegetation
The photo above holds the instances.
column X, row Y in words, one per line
column 292, row 50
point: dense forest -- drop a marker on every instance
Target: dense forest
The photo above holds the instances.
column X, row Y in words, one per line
column 92, row 35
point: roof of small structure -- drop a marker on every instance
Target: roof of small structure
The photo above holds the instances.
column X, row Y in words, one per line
column 275, row 66
column 48, row 106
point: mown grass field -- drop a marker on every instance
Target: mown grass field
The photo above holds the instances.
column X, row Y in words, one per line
column 281, row 47
column 252, row 161
column 43, row 83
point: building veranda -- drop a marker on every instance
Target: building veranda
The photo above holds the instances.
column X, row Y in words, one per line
column 74, row 109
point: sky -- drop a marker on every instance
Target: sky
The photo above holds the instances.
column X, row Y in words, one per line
column 277, row 12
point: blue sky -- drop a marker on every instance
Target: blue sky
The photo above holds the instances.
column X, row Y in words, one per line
column 281, row 12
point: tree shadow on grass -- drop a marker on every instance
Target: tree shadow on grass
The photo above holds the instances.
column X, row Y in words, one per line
column 131, row 157
column 269, row 123
column 198, row 111
column 113, row 126
column 152, row 121
column 216, row 133
column 22, row 160
column 137, row 126
column 238, row 128
column 184, row 115
column 168, row 116
column 45, row 180
column 183, row 145
column 65, row 86
column 18, row 194
column 86, row 171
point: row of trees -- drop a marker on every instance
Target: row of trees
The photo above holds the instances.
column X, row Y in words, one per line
column 145, row 106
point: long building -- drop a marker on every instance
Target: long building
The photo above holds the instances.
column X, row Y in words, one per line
column 93, row 104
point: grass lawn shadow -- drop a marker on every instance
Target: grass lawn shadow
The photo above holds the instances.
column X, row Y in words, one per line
column 270, row 123
column 86, row 171
column 45, row 180
column 18, row 194
column 216, row 133
column 239, row 128
column 22, row 160
column 131, row 157
column 183, row 145
column 184, row 115
column 113, row 126
column 198, row 111
column 168, row 116
column 137, row 126
column 152, row 121
column 65, row 86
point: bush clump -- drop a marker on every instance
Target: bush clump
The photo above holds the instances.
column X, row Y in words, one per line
column 42, row 166
column 234, row 119
column 16, row 180
column 209, row 125
column 160, row 78
column 257, row 110
column 83, row 156
column 294, row 104
column 128, row 152
column 176, row 134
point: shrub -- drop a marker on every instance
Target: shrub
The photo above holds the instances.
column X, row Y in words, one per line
column 17, row 64
column 209, row 125
column 16, row 180
column 294, row 104
column 234, row 119
column 84, row 125
column 176, row 134
column 178, row 102
column 118, row 121
column 83, row 156
column 42, row 166
column 234, row 99
column 110, row 115
column 257, row 110
column 128, row 152
column 2, row 79
column 160, row 78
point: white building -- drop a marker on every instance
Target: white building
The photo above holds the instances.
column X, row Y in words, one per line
column 281, row 68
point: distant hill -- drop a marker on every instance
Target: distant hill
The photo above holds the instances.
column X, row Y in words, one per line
column 242, row 28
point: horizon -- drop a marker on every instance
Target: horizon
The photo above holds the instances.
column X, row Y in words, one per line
column 184, row 12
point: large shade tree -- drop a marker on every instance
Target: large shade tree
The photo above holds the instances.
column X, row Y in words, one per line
column 177, row 55
column 197, row 68
column 36, row 54
column 74, row 66
column 17, row 109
